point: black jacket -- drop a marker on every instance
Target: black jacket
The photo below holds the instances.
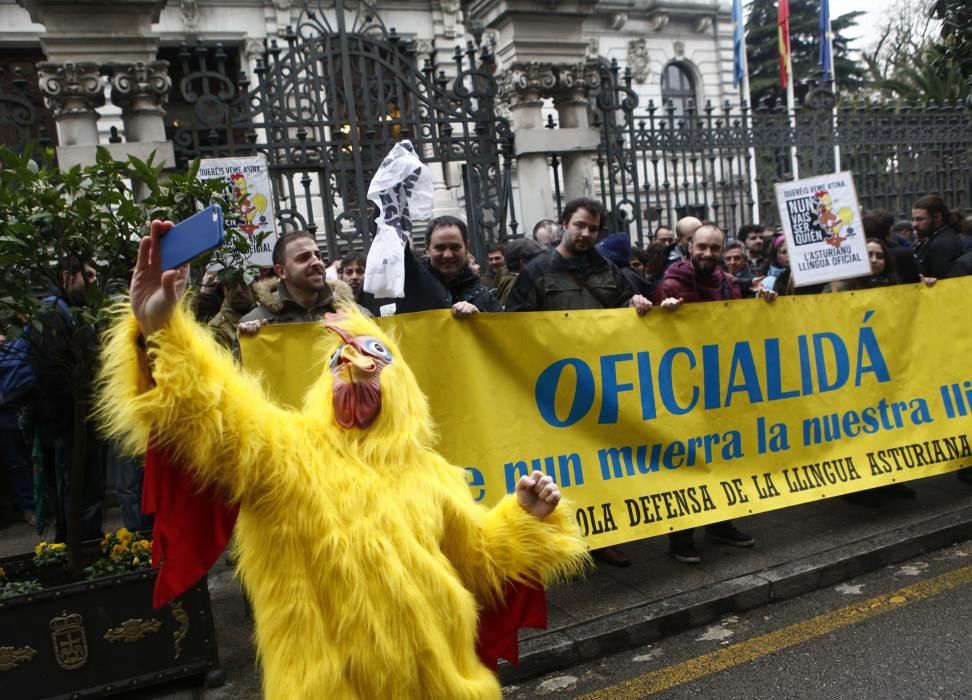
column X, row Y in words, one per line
column 552, row 282
column 938, row 253
column 425, row 290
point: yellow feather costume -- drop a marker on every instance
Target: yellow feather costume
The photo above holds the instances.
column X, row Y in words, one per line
column 361, row 549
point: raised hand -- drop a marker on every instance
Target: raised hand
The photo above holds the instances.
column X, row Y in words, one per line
column 154, row 293
column 537, row 494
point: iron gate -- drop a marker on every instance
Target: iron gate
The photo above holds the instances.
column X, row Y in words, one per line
column 326, row 108
column 720, row 163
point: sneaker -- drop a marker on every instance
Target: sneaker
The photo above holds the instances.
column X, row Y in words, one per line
column 685, row 553
column 728, row 534
column 611, row 555
column 898, row 491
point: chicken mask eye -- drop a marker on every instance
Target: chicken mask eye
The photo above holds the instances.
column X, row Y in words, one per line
column 375, row 348
column 335, row 357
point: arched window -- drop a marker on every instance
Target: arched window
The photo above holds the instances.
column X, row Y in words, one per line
column 678, row 87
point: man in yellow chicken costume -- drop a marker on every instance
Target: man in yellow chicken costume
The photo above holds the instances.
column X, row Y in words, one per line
column 365, row 558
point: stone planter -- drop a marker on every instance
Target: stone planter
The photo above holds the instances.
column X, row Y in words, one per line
column 96, row 638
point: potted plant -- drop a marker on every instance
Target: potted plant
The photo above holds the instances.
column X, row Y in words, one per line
column 78, row 615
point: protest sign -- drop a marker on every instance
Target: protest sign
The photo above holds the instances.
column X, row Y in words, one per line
column 660, row 423
column 248, row 184
column 822, row 224
column 402, row 191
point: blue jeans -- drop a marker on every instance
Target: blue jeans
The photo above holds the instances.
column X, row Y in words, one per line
column 128, row 473
column 15, row 459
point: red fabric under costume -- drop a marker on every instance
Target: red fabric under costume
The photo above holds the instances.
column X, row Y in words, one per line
column 193, row 527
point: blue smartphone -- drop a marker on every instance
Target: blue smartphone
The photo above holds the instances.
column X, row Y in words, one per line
column 191, row 238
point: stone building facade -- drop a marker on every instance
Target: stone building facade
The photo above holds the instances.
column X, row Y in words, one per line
column 106, row 69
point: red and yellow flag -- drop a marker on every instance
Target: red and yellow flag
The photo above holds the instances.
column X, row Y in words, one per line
column 783, row 32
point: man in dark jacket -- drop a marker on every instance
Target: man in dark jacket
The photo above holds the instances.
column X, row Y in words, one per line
column 698, row 279
column 64, row 362
column 443, row 280
column 938, row 243
column 878, row 223
column 575, row 276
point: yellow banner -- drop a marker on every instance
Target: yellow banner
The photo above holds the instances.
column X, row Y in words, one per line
column 674, row 420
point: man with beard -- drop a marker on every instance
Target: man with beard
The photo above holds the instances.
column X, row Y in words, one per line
column 701, row 278
column 300, row 293
column 575, row 276
column 938, row 243
column 237, row 301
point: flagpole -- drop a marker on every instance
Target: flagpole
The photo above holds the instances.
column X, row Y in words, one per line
column 740, row 32
column 833, row 87
column 791, row 116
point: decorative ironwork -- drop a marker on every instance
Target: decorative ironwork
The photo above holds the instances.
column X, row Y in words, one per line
column 70, row 642
column 182, row 619
column 134, row 630
column 11, row 657
column 326, row 107
column 656, row 165
column 23, row 118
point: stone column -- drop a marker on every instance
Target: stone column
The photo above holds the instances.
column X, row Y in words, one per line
column 141, row 90
column 572, row 110
column 73, row 91
column 522, row 86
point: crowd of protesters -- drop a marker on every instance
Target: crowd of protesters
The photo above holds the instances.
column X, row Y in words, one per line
column 565, row 264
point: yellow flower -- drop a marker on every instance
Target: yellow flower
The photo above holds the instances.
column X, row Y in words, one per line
column 58, row 546
column 3, row 574
column 124, row 535
column 118, row 551
column 135, row 561
column 41, row 546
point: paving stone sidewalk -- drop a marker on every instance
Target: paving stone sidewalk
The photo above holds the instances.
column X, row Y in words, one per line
column 797, row 549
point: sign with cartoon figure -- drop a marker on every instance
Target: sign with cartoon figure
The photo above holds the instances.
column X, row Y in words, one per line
column 248, row 183
column 822, row 224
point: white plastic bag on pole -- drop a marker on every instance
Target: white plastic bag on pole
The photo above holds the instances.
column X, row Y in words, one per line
column 402, row 190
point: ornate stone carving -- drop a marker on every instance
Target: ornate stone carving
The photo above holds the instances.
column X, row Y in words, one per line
column 679, row 48
column 534, row 81
column 658, row 21
column 638, row 59
column 450, row 18
column 190, row 15
column 618, row 20
column 182, row 619
column 141, row 88
column 253, row 49
column 702, row 24
column 71, row 88
column 593, row 50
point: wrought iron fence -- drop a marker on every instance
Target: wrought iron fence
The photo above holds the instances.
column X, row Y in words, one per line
column 326, row 108
column 24, row 119
column 654, row 165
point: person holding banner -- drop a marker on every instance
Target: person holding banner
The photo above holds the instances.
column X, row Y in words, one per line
column 575, row 276
column 443, row 280
column 700, row 279
column 300, row 293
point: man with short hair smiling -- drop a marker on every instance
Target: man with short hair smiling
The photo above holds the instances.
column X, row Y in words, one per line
column 496, row 257
column 301, row 293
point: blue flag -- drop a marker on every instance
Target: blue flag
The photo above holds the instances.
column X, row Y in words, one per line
column 826, row 45
column 738, row 43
